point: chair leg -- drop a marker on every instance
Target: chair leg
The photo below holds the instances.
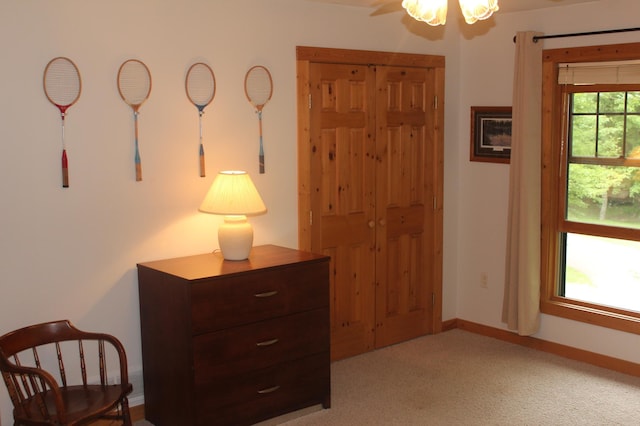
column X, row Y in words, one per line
column 126, row 415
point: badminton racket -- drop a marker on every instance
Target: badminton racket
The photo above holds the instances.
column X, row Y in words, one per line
column 62, row 86
column 200, row 86
column 134, row 85
column 258, row 87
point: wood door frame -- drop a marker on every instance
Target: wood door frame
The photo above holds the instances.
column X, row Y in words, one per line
column 306, row 55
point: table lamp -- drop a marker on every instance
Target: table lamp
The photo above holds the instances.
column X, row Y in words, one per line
column 234, row 195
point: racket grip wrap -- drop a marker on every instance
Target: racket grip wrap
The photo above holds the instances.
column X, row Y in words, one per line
column 138, row 172
column 65, row 170
column 202, row 168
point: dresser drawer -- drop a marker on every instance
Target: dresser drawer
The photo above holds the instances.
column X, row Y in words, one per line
column 265, row 393
column 251, row 297
column 260, row 345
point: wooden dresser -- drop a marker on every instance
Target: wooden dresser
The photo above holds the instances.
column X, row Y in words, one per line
column 234, row 342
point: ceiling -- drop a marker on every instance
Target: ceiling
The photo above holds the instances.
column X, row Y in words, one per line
column 505, row 5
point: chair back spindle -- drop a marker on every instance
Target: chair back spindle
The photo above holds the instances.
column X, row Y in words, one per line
column 63, row 373
column 83, row 365
column 103, row 363
column 36, row 361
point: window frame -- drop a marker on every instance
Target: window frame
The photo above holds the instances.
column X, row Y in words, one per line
column 554, row 157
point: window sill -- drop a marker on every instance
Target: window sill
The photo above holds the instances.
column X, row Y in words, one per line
column 605, row 317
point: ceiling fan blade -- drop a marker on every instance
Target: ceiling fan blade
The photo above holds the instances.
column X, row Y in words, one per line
column 386, row 6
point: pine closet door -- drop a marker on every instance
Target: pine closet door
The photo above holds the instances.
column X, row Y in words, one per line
column 404, row 208
column 370, row 153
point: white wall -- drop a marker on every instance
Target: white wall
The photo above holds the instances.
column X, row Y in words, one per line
column 72, row 253
column 486, row 79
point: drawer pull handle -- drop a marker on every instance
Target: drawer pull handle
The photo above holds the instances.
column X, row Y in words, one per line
column 266, row 294
column 269, row 390
column 267, row 342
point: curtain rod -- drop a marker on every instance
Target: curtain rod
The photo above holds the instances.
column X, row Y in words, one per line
column 622, row 30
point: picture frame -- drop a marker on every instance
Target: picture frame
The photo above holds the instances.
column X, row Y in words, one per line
column 491, row 134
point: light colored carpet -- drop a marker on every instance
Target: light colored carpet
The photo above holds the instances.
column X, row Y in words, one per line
column 461, row 378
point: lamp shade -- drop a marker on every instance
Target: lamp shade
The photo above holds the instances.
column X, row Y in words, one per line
column 233, row 193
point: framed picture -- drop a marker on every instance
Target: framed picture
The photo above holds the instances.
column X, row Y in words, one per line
column 491, row 134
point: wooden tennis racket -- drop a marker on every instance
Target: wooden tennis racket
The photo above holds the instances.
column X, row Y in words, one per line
column 258, row 87
column 62, row 86
column 134, row 85
column 200, row 85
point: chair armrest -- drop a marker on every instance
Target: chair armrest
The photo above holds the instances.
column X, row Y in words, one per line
column 34, row 376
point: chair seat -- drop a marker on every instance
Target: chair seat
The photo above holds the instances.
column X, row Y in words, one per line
column 79, row 401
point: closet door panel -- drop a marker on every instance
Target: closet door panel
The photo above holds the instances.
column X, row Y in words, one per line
column 403, row 292
column 342, row 170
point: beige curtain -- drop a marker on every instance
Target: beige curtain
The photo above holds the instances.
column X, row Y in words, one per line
column 521, row 305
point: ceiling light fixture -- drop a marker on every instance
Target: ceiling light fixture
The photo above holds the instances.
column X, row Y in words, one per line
column 434, row 12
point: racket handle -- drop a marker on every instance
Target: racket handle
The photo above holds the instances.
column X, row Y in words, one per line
column 202, row 169
column 65, row 169
column 261, row 152
column 137, row 160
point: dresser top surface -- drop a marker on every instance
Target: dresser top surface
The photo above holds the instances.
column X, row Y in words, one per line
column 213, row 264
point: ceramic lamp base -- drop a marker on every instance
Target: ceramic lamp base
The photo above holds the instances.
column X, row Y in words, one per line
column 235, row 237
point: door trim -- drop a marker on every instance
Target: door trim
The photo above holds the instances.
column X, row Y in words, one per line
column 306, row 55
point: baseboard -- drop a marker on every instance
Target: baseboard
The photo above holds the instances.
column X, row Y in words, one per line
column 575, row 354
column 137, row 413
column 449, row 324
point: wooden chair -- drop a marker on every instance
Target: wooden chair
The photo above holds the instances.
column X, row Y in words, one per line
column 77, row 396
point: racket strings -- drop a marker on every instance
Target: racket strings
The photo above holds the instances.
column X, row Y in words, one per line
column 134, row 82
column 200, row 85
column 258, row 86
column 134, row 90
column 62, row 83
column 258, row 93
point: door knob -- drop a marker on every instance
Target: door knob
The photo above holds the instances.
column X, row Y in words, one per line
column 382, row 222
column 372, row 224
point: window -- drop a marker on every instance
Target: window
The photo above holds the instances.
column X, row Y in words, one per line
column 591, row 185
